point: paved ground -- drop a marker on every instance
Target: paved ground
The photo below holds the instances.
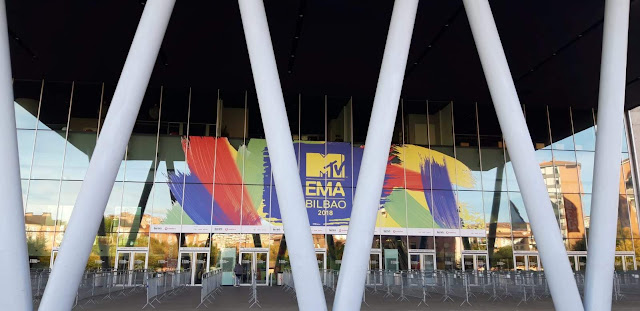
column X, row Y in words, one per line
column 273, row 298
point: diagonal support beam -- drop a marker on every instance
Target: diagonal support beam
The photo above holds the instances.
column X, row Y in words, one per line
column 98, row 182
column 606, row 172
column 557, row 271
column 15, row 288
column 355, row 259
column 295, row 220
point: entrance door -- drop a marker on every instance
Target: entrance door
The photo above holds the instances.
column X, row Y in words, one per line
column 527, row 262
column 578, row 262
column 624, row 263
column 375, row 261
column 321, row 257
column 254, row 263
column 131, row 260
column 474, row 262
column 197, row 262
column 423, row 261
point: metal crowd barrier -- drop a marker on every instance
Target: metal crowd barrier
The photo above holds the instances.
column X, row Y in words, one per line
column 95, row 284
column 163, row 285
column 253, row 296
column 465, row 286
column 211, row 285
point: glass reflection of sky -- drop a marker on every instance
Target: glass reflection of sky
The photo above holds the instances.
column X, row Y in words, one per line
column 50, row 196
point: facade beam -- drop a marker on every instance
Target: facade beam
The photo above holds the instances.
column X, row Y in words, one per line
column 543, row 222
column 107, row 157
column 606, row 172
column 355, row 260
column 15, row 288
column 304, row 266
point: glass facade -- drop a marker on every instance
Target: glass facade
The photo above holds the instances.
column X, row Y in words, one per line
column 195, row 186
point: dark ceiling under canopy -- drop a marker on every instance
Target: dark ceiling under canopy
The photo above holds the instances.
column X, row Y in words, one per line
column 328, row 46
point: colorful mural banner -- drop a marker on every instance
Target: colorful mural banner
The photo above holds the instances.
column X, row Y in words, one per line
column 232, row 190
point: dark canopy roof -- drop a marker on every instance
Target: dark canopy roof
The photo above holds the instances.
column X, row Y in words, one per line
column 339, row 47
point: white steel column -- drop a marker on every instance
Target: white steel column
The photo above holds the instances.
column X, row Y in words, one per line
column 355, row 260
column 302, row 254
column 15, row 288
column 606, row 173
column 516, row 135
column 107, row 157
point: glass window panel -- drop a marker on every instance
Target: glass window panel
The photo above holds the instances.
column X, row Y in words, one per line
column 501, row 256
column 197, row 204
column 167, row 208
column 585, row 165
column 150, row 110
column 566, row 169
column 571, row 213
column 86, row 107
column 133, row 239
column 519, row 218
column 25, row 151
column 538, row 125
column 624, row 222
column 204, row 112
column 394, row 252
column 48, row 155
column 548, row 169
column 69, row 191
column 254, row 119
column 339, row 119
column 172, row 165
column 470, row 157
column 27, row 102
column 440, row 124
column 78, row 152
column 232, row 121
column 512, row 181
column 195, row 240
column 421, row 242
column 415, row 122
column 54, row 109
column 586, row 210
column 103, row 252
column 39, row 246
column 445, row 209
column 561, row 130
column 447, row 253
column 471, row 209
column 493, row 169
column 141, row 158
column 136, row 201
column 496, row 209
column 163, row 251
column 42, row 204
column 585, row 134
column 112, row 210
column 625, row 142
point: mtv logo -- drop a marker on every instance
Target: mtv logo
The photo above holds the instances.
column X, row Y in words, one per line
column 330, row 165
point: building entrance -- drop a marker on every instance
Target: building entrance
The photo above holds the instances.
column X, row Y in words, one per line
column 624, row 262
column 197, row 262
column 255, row 262
column 527, row 262
column 578, row 262
column 375, row 260
column 321, row 257
column 474, row 262
column 422, row 261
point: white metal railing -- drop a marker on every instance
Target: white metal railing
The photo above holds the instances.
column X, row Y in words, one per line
column 163, row 285
column 211, row 285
